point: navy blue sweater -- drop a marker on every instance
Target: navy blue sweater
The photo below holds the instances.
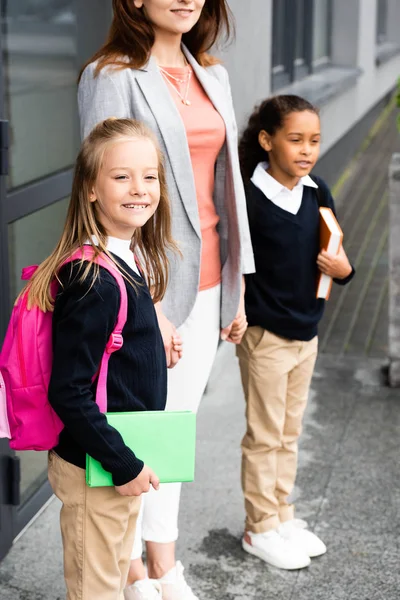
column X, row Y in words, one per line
column 281, row 294
column 84, row 318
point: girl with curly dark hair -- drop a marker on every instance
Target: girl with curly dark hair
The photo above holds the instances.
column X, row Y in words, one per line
column 278, row 150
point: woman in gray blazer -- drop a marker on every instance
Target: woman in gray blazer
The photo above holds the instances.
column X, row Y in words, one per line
column 155, row 68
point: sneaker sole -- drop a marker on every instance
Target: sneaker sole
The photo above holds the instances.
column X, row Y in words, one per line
column 260, row 554
column 317, row 554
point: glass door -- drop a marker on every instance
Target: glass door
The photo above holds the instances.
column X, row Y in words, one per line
column 7, row 509
column 44, row 43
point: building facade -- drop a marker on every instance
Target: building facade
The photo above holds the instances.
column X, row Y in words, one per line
column 344, row 56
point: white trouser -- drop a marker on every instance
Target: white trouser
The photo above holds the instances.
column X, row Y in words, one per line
column 158, row 519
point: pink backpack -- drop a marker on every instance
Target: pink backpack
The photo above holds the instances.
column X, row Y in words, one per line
column 26, row 417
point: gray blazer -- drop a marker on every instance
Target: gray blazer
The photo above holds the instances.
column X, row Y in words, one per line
column 143, row 94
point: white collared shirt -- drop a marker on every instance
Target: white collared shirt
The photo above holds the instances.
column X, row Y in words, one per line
column 122, row 249
column 289, row 200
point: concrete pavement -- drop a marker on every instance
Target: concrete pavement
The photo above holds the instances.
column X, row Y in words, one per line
column 347, row 486
column 347, row 489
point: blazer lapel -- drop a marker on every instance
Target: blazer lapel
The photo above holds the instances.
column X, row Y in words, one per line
column 212, row 87
column 172, row 128
column 173, row 134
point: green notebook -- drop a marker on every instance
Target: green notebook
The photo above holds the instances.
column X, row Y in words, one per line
column 164, row 441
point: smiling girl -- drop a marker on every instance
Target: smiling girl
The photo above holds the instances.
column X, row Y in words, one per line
column 118, row 205
column 277, row 355
column 155, row 67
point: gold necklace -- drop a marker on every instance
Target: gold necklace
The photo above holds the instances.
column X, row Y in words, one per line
column 165, row 72
column 184, row 98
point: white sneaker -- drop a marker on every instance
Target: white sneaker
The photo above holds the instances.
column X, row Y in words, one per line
column 296, row 532
column 174, row 586
column 275, row 550
column 145, row 589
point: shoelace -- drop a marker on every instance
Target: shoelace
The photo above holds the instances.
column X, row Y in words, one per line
column 277, row 537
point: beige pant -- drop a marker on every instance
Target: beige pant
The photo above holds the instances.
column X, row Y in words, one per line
column 276, row 376
column 98, row 529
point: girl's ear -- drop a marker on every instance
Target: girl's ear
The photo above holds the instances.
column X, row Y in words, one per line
column 264, row 140
column 138, row 3
column 92, row 196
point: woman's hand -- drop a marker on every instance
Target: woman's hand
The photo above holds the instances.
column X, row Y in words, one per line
column 236, row 330
column 336, row 266
column 171, row 338
column 140, row 485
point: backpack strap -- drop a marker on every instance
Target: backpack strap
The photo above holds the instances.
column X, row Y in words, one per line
column 115, row 341
column 321, row 199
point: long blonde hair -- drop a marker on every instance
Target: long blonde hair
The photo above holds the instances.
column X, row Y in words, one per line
column 150, row 241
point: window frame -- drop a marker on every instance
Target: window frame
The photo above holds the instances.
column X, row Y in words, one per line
column 281, row 72
column 321, row 63
column 382, row 18
column 296, row 68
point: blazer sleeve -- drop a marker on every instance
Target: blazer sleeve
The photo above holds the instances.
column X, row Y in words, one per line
column 100, row 97
column 247, row 256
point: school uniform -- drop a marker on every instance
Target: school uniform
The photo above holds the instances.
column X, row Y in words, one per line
column 278, row 352
column 98, row 524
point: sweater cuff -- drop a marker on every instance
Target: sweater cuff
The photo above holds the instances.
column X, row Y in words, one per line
column 127, row 468
column 346, row 279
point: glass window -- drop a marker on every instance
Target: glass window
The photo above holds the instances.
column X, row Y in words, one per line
column 278, row 46
column 31, row 240
column 41, row 68
column 381, row 21
column 300, row 35
column 322, row 28
column 33, row 472
column 302, row 62
column 45, row 44
column 301, row 38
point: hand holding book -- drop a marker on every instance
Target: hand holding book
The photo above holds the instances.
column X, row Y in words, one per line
column 140, row 485
column 332, row 260
column 336, row 266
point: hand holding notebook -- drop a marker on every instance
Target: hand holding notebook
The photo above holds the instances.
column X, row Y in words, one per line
column 141, row 484
column 165, row 441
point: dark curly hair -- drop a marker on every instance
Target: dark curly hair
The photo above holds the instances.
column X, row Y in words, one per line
column 268, row 116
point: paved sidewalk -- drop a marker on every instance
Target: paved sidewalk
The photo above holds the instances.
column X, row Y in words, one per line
column 347, row 489
column 356, row 317
column 347, row 485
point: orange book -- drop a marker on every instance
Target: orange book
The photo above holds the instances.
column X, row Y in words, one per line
column 331, row 238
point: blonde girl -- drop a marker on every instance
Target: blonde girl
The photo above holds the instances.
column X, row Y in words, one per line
column 119, row 206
